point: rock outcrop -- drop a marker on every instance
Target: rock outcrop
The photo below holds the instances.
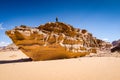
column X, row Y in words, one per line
column 54, row 40
column 116, row 46
column 116, row 43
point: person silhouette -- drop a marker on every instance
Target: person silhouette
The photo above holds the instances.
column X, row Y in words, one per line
column 56, row 19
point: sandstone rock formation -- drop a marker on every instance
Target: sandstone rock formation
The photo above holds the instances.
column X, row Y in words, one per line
column 54, row 40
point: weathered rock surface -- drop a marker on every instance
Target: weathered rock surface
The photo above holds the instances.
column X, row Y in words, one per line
column 55, row 40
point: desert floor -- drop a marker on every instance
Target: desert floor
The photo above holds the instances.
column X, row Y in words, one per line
column 14, row 67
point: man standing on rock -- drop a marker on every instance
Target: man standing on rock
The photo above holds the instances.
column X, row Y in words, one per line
column 56, row 19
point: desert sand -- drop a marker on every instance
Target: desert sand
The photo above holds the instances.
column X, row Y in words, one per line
column 83, row 68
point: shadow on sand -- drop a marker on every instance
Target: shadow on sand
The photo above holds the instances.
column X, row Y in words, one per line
column 15, row 61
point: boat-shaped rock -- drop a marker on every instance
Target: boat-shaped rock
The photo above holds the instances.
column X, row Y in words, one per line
column 54, row 40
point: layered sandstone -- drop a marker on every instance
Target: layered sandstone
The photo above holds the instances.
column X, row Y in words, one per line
column 54, row 40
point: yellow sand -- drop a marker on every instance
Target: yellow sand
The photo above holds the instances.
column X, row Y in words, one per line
column 86, row 68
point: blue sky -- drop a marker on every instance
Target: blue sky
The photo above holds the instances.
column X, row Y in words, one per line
column 99, row 17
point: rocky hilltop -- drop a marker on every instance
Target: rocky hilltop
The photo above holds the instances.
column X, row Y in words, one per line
column 55, row 40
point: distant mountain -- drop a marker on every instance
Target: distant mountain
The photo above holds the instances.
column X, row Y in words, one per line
column 10, row 47
column 115, row 43
column 116, row 46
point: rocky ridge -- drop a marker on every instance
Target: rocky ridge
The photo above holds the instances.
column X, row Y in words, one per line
column 55, row 40
column 116, row 46
column 116, row 42
column 10, row 47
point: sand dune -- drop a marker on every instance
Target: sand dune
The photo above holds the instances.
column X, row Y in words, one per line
column 86, row 68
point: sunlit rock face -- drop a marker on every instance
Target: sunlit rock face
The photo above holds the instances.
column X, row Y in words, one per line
column 54, row 40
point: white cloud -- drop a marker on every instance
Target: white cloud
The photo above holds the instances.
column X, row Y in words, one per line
column 2, row 43
column 1, row 26
column 105, row 39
